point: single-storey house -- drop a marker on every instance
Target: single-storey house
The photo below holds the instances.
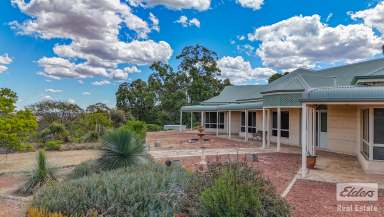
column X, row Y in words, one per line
column 339, row 109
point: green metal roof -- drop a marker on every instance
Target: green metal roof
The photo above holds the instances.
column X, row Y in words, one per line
column 198, row 108
column 345, row 94
column 241, row 106
column 232, row 94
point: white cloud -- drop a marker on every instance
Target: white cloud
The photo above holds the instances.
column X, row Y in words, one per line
column 122, row 74
column 185, row 22
column 200, row 5
column 85, row 93
column 247, row 49
column 50, row 90
column 80, row 81
column 239, row 71
column 4, row 60
column 329, row 17
column 71, row 101
column 93, row 28
column 305, row 42
column 101, row 83
column 253, row 4
column 373, row 17
column 47, row 97
column 155, row 22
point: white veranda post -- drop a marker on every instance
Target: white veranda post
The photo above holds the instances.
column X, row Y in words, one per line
column 181, row 121
column 268, row 129
column 217, row 123
column 229, row 124
column 202, row 119
column 246, row 125
column 304, row 131
column 263, row 133
column 278, row 128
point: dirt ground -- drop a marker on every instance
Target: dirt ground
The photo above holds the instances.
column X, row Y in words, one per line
column 190, row 140
column 318, row 199
column 25, row 162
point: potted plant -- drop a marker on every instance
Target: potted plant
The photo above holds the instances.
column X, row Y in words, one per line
column 311, row 161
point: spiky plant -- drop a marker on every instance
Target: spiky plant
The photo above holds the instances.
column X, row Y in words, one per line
column 40, row 176
column 121, row 148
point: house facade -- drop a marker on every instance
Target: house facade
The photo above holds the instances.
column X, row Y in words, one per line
column 338, row 109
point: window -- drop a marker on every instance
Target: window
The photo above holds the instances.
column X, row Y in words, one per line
column 284, row 124
column 211, row 120
column 251, row 122
column 378, row 139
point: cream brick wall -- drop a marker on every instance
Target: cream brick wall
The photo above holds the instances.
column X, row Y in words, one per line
column 342, row 128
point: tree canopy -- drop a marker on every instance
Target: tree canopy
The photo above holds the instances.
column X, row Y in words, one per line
column 15, row 126
column 158, row 100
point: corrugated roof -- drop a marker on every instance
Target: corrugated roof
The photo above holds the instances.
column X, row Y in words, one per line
column 198, row 108
column 232, row 94
column 241, row 106
column 345, row 94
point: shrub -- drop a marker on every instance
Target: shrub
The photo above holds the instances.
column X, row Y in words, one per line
column 121, row 148
column 138, row 127
column 234, row 190
column 153, row 127
column 86, row 168
column 53, row 145
column 40, row 176
column 26, row 147
column 35, row 212
column 90, row 137
column 144, row 190
column 55, row 131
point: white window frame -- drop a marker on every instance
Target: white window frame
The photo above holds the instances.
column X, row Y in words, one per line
column 371, row 136
column 281, row 130
column 206, row 116
column 249, row 126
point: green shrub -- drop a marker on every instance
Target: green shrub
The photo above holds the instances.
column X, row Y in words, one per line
column 138, row 127
column 153, row 127
column 121, row 148
column 234, row 190
column 90, row 137
column 150, row 190
column 40, row 176
column 86, row 168
column 53, row 145
column 26, row 147
column 55, row 131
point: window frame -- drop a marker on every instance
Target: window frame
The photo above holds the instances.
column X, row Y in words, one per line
column 284, row 132
column 252, row 118
column 210, row 120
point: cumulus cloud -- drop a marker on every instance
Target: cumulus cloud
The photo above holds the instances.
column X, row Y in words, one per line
column 253, row 4
column 200, row 5
column 185, row 22
column 86, row 93
column 373, row 17
column 50, row 90
column 101, row 83
column 4, row 60
column 305, row 42
column 93, row 28
column 239, row 71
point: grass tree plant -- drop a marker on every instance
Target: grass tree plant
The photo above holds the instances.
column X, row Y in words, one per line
column 121, row 148
column 40, row 176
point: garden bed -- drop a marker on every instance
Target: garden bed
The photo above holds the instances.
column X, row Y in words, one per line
column 279, row 168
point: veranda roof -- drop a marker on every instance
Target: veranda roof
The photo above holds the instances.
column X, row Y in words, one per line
column 345, row 94
column 226, row 107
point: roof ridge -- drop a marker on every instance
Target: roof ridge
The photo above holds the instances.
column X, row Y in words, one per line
column 351, row 64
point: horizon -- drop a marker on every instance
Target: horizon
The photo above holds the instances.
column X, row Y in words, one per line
column 46, row 54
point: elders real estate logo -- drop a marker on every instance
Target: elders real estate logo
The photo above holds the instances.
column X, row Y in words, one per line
column 357, row 192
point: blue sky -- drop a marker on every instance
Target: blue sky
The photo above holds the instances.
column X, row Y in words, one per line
column 45, row 50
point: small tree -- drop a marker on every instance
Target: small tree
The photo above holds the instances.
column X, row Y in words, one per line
column 15, row 126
